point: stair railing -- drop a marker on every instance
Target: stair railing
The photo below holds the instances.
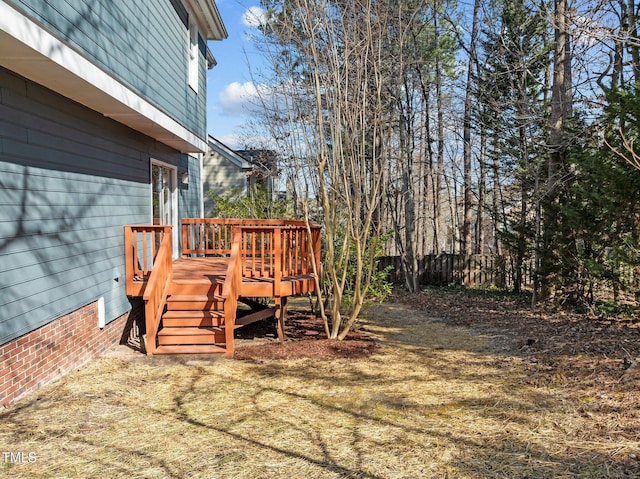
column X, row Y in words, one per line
column 157, row 290
column 231, row 288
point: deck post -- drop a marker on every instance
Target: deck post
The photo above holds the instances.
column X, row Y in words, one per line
column 185, row 239
column 281, row 315
column 128, row 259
column 277, row 276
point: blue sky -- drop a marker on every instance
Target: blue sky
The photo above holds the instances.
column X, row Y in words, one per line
column 230, row 88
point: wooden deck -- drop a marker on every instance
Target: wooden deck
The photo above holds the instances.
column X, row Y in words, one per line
column 209, row 269
column 191, row 303
column 213, row 270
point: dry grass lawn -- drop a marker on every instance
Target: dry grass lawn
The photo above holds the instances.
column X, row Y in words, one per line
column 435, row 401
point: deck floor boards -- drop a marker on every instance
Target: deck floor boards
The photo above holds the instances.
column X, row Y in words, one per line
column 210, row 268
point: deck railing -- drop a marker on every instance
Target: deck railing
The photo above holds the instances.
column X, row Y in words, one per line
column 268, row 248
column 142, row 243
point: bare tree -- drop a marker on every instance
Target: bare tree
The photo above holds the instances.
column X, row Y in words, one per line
column 331, row 59
column 628, row 152
column 418, row 56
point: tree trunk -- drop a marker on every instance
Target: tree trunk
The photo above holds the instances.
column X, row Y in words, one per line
column 440, row 127
column 633, row 34
column 561, row 111
column 482, row 187
column 617, row 76
column 466, row 247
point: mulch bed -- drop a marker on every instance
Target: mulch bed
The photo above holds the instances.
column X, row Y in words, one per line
column 305, row 338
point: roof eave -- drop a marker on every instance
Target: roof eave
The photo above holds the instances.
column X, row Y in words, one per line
column 36, row 54
column 228, row 153
column 209, row 15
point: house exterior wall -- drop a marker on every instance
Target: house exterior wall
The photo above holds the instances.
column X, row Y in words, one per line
column 49, row 352
column 72, row 173
column 220, row 176
column 190, row 193
column 144, row 44
column 70, row 179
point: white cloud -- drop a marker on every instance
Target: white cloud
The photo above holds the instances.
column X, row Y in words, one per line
column 239, row 98
column 254, row 17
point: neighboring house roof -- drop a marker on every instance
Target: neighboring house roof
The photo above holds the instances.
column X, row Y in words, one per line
column 265, row 160
column 33, row 52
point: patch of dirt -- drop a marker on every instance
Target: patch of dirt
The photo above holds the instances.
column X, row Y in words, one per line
column 544, row 330
column 600, row 349
column 595, row 360
column 305, row 338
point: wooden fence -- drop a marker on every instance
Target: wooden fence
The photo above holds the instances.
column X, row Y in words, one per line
column 475, row 271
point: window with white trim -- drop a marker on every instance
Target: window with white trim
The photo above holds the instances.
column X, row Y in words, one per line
column 194, row 57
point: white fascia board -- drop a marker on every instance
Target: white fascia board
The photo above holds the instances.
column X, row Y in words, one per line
column 226, row 152
column 211, row 24
column 31, row 51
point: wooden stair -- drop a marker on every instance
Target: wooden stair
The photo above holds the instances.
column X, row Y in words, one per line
column 193, row 321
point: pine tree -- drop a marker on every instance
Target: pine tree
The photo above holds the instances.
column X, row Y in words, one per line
column 516, row 60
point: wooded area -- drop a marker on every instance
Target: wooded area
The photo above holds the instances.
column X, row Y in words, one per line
column 420, row 127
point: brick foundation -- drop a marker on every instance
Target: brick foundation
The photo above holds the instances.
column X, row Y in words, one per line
column 37, row 358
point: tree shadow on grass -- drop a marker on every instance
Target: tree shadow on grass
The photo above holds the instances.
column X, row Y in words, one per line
column 370, row 418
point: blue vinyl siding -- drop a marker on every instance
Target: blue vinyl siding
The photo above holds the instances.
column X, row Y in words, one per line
column 142, row 43
column 70, row 179
column 189, row 194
